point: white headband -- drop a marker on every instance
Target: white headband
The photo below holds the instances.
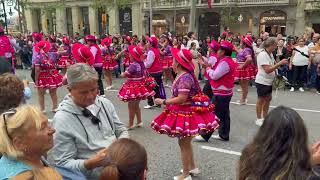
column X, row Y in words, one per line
column 79, row 51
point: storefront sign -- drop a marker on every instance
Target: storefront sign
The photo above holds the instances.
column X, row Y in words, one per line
column 274, row 18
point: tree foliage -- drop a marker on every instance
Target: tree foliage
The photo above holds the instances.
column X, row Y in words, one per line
column 229, row 15
column 106, row 4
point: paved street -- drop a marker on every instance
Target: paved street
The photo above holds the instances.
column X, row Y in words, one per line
column 217, row 160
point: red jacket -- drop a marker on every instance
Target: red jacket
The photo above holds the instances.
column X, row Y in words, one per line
column 98, row 61
column 156, row 66
column 6, row 50
column 228, row 79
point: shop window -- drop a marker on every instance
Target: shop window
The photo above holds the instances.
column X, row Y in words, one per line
column 273, row 22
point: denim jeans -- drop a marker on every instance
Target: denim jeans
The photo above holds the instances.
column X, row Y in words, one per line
column 312, row 76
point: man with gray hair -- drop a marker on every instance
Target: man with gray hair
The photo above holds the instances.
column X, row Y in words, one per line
column 85, row 123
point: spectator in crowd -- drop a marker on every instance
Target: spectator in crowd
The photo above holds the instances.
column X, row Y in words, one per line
column 279, row 54
column 184, row 43
column 265, row 36
column 205, row 47
column 195, row 59
column 126, row 160
column 315, row 60
column 10, row 98
column 279, row 150
column 19, row 129
column 279, row 37
column 265, row 76
column 192, row 39
column 257, row 46
column 312, row 70
column 299, row 64
column 86, row 124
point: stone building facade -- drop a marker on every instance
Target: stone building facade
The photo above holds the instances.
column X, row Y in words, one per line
column 288, row 17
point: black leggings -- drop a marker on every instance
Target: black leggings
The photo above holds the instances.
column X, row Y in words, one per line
column 100, row 83
column 299, row 75
column 157, row 89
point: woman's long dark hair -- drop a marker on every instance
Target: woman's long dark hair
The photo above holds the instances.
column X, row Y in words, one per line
column 279, row 150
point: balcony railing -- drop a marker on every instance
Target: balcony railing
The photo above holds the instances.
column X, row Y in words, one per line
column 312, row 5
column 167, row 4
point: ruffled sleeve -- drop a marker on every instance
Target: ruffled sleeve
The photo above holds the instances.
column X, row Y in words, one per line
column 185, row 84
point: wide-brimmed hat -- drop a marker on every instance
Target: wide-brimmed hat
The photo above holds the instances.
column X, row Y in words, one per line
column 153, row 41
column 227, row 45
column 65, row 40
column 247, row 40
column 214, row 45
column 42, row 45
column 82, row 54
column 90, row 38
column 136, row 53
column 37, row 36
column 184, row 58
column 106, row 42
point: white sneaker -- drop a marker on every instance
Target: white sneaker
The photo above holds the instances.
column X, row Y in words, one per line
column 109, row 88
column 186, row 178
column 301, row 89
column 199, row 139
column 239, row 90
column 148, row 107
column 318, row 92
column 259, row 122
column 193, row 172
column 292, row 89
column 139, row 125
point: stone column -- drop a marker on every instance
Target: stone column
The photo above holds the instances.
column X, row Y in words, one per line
column 113, row 14
column 300, row 18
column 61, row 20
column 31, row 17
column 93, row 21
column 44, row 21
column 76, row 19
column 192, row 22
column 137, row 19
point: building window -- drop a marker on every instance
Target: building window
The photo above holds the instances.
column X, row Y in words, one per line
column 103, row 21
column 69, row 21
column 84, row 24
column 182, row 24
column 159, row 24
column 209, row 25
column 273, row 22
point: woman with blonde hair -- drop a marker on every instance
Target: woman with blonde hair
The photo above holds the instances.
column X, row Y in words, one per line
column 25, row 137
column 19, row 129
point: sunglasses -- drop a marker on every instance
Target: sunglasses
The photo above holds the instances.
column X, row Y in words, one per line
column 6, row 115
column 86, row 113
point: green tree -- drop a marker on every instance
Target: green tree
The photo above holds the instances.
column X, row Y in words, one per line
column 105, row 4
